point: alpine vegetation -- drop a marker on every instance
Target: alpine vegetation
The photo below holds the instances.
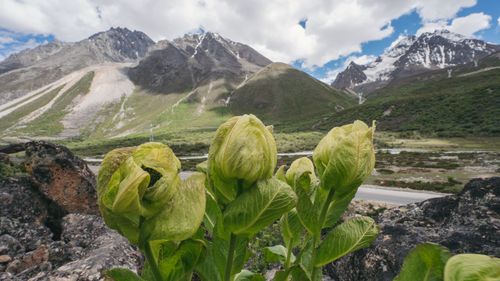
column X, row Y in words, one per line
column 202, row 225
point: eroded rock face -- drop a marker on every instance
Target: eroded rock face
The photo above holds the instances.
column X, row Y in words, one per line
column 41, row 235
column 86, row 250
column 62, row 177
column 467, row 222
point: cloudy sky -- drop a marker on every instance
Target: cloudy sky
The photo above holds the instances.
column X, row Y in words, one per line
column 318, row 36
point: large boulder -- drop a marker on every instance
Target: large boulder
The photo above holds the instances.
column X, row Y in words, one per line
column 44, row 231
column 465, row 223
column 62, row 177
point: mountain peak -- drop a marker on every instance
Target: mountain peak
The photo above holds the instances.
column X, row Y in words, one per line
column 410, row 54
column 443, row 33
column 195, row 60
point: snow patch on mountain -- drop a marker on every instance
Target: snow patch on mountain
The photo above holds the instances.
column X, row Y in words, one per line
column 412, row 54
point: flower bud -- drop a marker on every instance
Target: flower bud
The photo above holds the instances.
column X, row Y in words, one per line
column 301, row 174
column 134, row 184
column 243, row 151
column 345, row 157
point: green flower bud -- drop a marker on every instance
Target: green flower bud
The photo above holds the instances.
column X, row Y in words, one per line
column 301, row 174
column 243, row 151
column 345, row 157
column 182, row 215
column 135, row 184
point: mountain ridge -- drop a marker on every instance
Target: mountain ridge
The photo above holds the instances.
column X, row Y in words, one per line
column 409, row 55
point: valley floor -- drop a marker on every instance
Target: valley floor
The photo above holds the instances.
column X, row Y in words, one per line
column 420, row 163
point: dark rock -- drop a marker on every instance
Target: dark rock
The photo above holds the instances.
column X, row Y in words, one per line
column 19, row 200
column 62, row 177
column 41, row 240
column 86, row 250
column 94, row 249
column 465, row 223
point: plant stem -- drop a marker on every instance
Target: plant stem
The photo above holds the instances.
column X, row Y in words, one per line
column 324, row 209
column 288, row 254
column 148, row 253
column 230, row 257
column 322, row 217
column 152, row 262
column 288, row 257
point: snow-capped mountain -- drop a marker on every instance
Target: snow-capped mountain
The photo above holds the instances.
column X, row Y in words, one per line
column 410, row 55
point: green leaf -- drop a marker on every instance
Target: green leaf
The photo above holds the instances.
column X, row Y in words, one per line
column 291, row 228
column 472, row 267
column 277, row 254
column 424, row 263
column 351, row 235
column 308, row 213
column 280, row 173
column 258, row 207
column 337, row 207
column 246, row 275
column 281, row 275
column 213, row 265
column 306, row 263
column 178, row 264
column 301, row 174
column 212, row 215
column 122, row 274
column 206, row 269
column 298, row 274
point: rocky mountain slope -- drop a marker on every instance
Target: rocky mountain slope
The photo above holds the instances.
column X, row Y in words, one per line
column 119, row 82
column 410, row 55
column 32, row 69
column 195, row 60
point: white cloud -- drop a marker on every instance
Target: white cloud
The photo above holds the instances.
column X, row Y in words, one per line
column 498, row 21
column 11, row 42
column 467, row 25
column 6, row 39
column 432, row 10
column 334, row 28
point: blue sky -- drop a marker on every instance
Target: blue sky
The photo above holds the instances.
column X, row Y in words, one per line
column 410, row 24
column 13, row 42
column 317, row 36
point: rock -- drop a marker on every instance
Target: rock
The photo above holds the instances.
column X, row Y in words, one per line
column 95, row 249
column 465, row 223
column 62, row 177
column 39, row 240
column 29, row 260
column 19, row 200
column 5, row 258
column 86, row 250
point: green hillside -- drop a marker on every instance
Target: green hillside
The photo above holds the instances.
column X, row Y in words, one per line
column 279, row 93
column 458, row 106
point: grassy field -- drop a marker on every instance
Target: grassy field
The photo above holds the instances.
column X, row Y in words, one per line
column 49, row 123
column 16, row 115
